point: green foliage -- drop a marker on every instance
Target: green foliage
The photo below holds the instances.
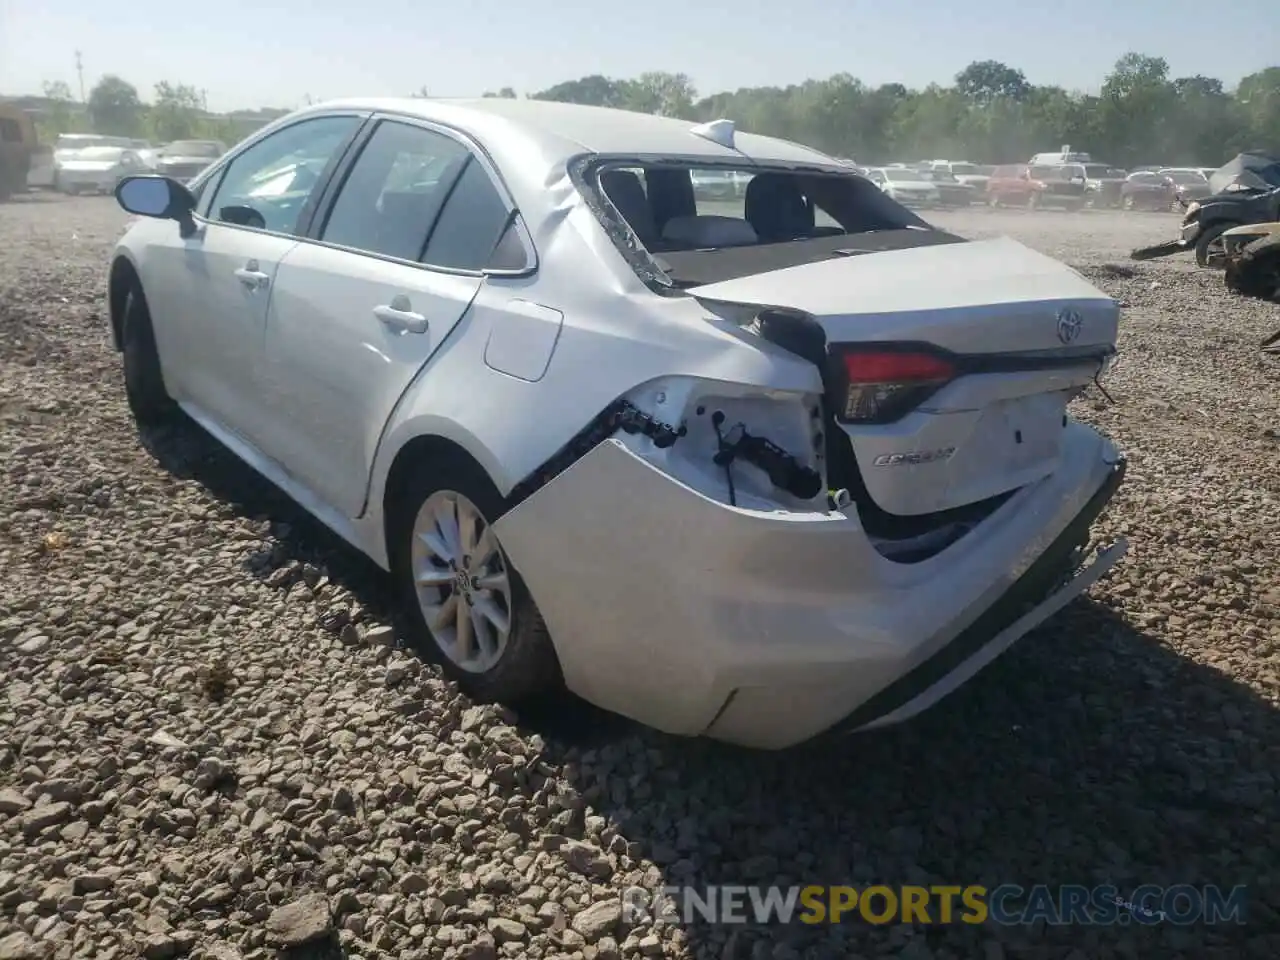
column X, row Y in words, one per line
column 990, row 114
column 62, row 115
column 176, row 112
column 114, row 107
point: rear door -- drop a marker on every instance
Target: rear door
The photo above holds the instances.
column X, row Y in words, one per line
column 358, row 313
column 953, row 390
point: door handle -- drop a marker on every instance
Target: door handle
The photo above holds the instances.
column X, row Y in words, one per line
column 251, row 276
column 397, row 316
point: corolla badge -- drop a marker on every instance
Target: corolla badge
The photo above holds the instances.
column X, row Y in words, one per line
column 1069, row 324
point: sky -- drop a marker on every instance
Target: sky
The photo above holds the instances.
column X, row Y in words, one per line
column 276, row 53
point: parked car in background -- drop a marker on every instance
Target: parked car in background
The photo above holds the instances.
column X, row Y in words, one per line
column 146, row 152
column 1102, row 184
column 68, row 145
column 951, row 192
column 719, row 184
column 98, row 169
column 1205, row 223
column 1036, row 185
column 1147, row 191
column 513, row 396
column 961, row 171
column 1189, row 184
column 909, row 187
column 1063, row 154
column 184, row 159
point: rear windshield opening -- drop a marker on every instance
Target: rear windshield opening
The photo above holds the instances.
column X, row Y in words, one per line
column 702, row 223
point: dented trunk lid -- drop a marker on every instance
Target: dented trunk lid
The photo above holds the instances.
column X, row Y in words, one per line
column 1029, row 333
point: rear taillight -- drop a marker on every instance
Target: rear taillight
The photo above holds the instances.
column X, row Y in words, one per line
column 879, row 385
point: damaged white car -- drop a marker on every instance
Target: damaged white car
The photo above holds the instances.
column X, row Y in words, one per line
column 755, row 468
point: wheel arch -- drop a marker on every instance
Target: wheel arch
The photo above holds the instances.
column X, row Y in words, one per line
column 122, row 277
column 417, row 456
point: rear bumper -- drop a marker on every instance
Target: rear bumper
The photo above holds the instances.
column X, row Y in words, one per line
column 1041, row 588
column 767, row 628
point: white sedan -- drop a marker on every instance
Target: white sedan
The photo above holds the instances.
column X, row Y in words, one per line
column 97, row 169
column 751, row 477
column 909, row 187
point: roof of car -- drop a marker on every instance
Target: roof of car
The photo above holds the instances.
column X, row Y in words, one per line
column 564, row 130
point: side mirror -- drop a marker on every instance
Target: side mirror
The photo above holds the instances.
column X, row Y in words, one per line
column 147, row 195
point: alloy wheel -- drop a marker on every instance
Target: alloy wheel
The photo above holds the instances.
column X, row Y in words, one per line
column 462, row 582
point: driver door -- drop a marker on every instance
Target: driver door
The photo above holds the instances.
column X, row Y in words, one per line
column 220, row 280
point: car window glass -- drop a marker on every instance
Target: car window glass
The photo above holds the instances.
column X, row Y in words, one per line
column 510, row 253
column 394, row 192
column 470, row 225
column 269, row 183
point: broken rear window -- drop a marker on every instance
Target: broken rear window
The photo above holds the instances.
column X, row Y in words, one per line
column 671, row 218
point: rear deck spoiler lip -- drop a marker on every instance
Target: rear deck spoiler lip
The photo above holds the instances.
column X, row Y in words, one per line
column 1015, row 361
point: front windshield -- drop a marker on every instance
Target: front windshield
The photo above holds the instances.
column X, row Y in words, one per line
column 902, row 175
column 192, row 148
column 1096, row 171
column 964, row 169
column 1184, row 177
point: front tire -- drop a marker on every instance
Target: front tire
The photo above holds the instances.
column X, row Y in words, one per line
column 149, row 401
column 1256, row 272
column 1205, row 246
column 467, row 605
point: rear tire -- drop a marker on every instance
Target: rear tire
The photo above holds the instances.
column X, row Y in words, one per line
column 439, row 570
column 149, row 401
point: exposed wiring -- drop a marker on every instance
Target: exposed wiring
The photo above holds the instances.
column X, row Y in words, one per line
column 1103, row 390
column 724, row 456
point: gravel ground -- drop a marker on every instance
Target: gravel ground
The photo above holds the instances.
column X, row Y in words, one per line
column 212, row 746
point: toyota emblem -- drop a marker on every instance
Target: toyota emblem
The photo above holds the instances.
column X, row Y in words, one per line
column 1069, row 324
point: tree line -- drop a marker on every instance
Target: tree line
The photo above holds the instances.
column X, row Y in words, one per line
column 115, row 108
column 989, row 114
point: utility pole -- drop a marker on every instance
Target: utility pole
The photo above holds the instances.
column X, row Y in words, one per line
column 80, row 74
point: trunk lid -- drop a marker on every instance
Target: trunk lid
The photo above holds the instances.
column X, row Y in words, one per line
column 1021, row 332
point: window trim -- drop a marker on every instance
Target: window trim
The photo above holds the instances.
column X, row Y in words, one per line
column 211, row 178
column 333, row 189
column 584, row 172
column 328, row 198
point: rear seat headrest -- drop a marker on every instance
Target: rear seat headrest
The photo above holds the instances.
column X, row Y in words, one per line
column 709, row 231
